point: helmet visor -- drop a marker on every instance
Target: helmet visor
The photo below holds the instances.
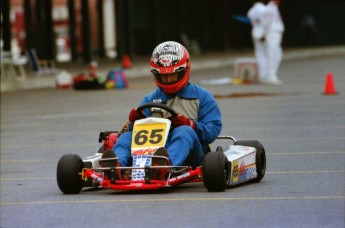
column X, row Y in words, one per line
column 169, row 78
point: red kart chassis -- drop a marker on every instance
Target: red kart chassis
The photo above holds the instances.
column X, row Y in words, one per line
column 243, row 161
column 111, row 182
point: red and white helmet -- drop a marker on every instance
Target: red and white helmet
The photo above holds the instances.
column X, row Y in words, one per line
column 167, row 58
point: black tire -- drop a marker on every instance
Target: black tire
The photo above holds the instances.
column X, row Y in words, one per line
column 216, row 171
column 260, row 157
column 68, row 174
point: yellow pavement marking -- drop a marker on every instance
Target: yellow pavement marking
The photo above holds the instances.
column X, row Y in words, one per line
column 27, row 178
column 176, row 199
column 307, row 138
column 307, row 153
column 306, row 172
column 27, row 161
column 48, row 133
column 47, row 145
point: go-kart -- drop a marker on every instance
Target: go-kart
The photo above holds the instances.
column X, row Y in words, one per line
column 243, row 161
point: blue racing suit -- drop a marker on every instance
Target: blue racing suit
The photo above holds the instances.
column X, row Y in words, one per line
column 185, row 145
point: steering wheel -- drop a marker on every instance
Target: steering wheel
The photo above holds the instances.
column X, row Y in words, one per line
column 157, row 105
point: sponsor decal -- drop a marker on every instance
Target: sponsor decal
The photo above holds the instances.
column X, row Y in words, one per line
column 140, row 159
column 183, row 175
column 246, row 148
column 142, row 152
column 235, row 172
column 139, row 174
column 179, row 177
column 167, row 51
column 242, row 168
column 249, row 172
column 167, row 70
column 244, row 172
column 234, row 153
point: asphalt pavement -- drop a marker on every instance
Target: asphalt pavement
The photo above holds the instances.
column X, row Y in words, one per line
column 140, row 66
column 302, row 130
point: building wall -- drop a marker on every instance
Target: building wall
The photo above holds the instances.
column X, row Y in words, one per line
column 141, row 24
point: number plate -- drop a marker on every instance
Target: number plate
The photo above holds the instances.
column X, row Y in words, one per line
column 149, row 135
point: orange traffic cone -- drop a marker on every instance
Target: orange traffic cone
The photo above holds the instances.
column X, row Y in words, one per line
column 329, row 85
column 126, row 62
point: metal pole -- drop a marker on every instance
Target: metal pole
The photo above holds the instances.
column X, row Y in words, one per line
column 72, row 37
column 28, row 25
column 45, row 44
column 121, row 27
column 101, row 51
column 85, row 30
column 6, row 35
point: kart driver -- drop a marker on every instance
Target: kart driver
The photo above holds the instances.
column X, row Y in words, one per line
column 199, row 119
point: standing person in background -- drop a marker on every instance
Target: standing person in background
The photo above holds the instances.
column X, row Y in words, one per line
column 309, row 29
column 274, row 34
column 256, row 14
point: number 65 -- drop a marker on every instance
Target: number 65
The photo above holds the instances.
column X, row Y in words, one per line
column 143, row 136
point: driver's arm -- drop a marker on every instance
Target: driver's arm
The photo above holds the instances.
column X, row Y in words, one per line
column 209, row 123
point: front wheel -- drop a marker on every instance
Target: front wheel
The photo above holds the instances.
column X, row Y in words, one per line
column 260, row 158
column 68, row 174
column 216, row 171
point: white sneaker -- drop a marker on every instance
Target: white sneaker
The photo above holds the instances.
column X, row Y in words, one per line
column 274, row 82
column 263, row 81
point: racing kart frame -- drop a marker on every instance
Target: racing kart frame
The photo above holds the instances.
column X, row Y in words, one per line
column 243, row 161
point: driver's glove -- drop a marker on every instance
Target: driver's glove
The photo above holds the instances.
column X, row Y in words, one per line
column 180, row 120
column 135, row 115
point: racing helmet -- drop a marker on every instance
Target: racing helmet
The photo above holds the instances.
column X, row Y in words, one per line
column 168, row 58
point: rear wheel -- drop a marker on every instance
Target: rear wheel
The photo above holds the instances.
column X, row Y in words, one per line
column 260, row 157
column 216, row 171
column 68, row 174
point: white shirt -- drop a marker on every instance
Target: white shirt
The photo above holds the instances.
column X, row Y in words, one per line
column 273, row 19
column 256, row 14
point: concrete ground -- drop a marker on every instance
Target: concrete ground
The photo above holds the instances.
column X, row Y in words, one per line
column 303, row 133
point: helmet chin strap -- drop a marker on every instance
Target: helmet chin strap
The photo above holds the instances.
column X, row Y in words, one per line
column 172, row 93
